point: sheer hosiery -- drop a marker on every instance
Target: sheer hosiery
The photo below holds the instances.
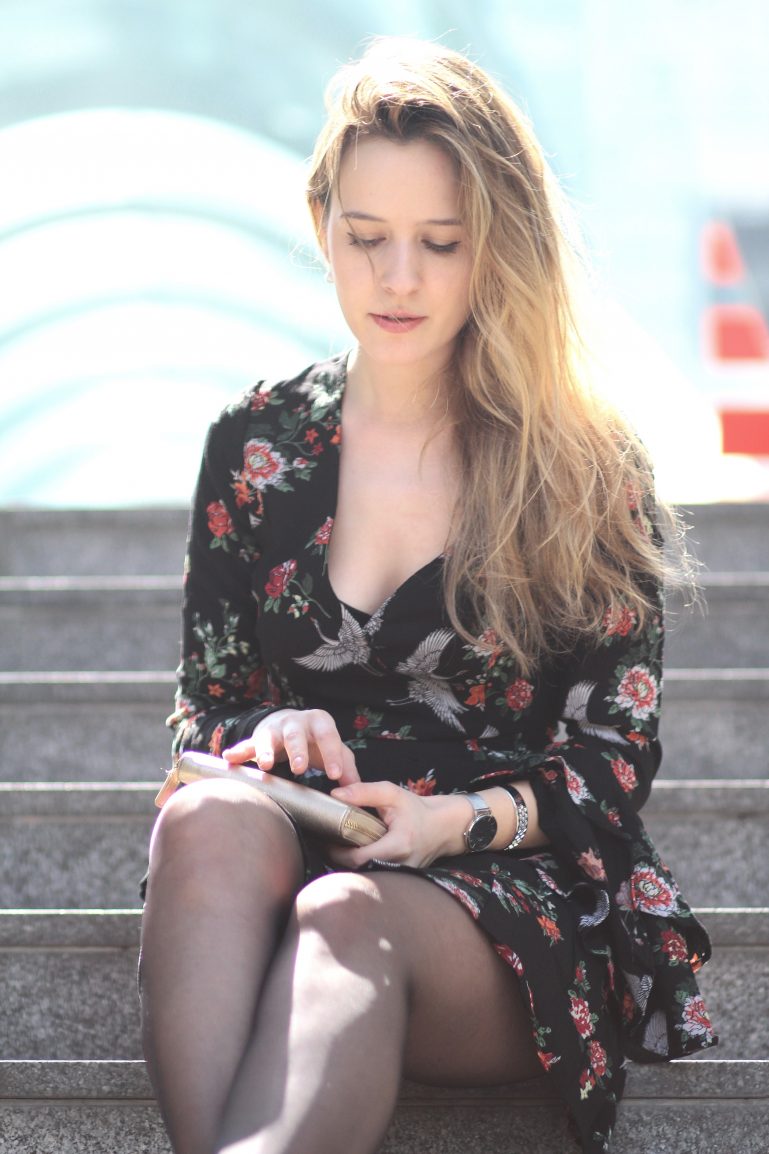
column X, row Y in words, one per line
column 224, row 868
column 378, row 975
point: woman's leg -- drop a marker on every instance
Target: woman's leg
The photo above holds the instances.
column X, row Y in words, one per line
column 224, row 868
column 379, row 975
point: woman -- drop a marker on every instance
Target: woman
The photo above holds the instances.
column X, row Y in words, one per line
column 426, row 577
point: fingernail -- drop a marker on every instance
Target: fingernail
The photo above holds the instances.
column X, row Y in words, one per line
column 333, row 771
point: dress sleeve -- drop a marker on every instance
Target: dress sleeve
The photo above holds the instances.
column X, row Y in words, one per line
column 590, row 782
column 223, row 687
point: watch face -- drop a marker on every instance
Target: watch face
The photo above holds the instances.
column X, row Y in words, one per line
column 481, row 833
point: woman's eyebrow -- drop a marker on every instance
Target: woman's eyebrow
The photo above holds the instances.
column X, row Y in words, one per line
column 448, row 221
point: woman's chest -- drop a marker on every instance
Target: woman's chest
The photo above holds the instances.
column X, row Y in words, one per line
column 393, row 516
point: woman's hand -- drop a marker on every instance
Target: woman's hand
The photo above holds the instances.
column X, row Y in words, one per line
column 307, row 738
column 419, row 829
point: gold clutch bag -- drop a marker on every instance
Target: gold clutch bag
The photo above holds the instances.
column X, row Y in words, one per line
column 316, row 812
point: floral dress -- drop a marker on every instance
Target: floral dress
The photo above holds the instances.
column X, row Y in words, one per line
column 594, row 927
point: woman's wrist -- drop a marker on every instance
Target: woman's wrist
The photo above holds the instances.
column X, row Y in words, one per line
column 452, row 813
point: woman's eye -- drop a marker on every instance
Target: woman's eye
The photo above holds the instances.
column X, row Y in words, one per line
column 442, row 248
column 363, row 241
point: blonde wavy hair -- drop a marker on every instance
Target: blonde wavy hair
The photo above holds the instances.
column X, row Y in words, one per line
column 553, row 529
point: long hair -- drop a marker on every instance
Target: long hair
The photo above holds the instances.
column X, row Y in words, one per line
column 552, row 534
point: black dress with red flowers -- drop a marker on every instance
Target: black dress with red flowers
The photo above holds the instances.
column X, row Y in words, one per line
column 595, row 928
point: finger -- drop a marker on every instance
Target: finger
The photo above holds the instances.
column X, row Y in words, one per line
column 327, row 742
column 293, row 738
column 390, row 847
column 376, row 794
column 237, row 754
column 349, row 773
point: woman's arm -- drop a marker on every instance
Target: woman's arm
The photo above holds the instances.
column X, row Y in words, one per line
column 223, row 688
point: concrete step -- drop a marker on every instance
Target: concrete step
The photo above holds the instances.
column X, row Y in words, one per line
column 713, row 723
column 730, row 536
column 84, row 845
column 87, row 541
column 70, row 988
column 132, row 541
column 687, row 1107
column 114, row 623
column 732, row 629
column 90, row 623
column 85, row 726
column 94, row 726
column 74, row 845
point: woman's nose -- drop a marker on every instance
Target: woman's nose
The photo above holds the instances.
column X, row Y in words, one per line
column 399, row 270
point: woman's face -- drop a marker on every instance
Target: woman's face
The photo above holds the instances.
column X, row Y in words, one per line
column 399, row 253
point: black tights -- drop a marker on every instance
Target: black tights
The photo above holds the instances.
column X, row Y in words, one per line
column 280, row 1019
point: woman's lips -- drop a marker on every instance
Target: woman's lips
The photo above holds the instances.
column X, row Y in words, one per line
column 392, row 323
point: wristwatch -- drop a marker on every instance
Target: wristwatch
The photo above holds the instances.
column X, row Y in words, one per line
column 483, row 827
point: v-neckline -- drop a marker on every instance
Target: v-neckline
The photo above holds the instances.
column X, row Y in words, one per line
column 439, row 558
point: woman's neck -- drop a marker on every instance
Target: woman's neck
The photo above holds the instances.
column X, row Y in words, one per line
column 397, row 395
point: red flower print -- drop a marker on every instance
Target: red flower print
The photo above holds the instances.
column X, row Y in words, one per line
column 219, row 520
column 262, row 466
column 462, row 896
column 625, row 774
column 597, row 1057
column 360, row 722
column 215, row 744
column 619, row 622
column 476, row 696
column 519, row 694
column 255, row 684
column 510, row 957
column 580, row 1012
column 337, row 437
column 651, row 894
column 674, row 945
column 638, row 692
column 323, row 535
column 547, row 1060
column 300, row 462
column 311, row 436
column 279, row 578
column 242, row 494
column 628, row 1006
column 579, row 974
column 549, row 928
column 586, row 1083
column 215, row 690
column 259, row 402
column 592, row 865
column 423, row 786
column 576, row 785
column 695, row 1019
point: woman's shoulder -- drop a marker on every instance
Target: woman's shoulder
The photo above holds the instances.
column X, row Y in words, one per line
column 309, row 394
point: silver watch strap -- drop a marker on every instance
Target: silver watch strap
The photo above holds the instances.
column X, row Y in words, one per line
column 522, row 811
column 480, row 806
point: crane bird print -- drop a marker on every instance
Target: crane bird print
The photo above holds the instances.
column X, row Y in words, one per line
column 425, row 686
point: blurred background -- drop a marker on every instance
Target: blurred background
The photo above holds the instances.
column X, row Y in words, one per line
column 156, row 256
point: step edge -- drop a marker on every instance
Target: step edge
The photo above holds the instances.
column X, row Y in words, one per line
column 679, row 1080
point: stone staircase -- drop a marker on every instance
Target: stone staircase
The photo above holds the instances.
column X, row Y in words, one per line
column 89, row 607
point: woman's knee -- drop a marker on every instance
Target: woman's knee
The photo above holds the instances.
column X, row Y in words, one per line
column 221, row 825
column 344, row 916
